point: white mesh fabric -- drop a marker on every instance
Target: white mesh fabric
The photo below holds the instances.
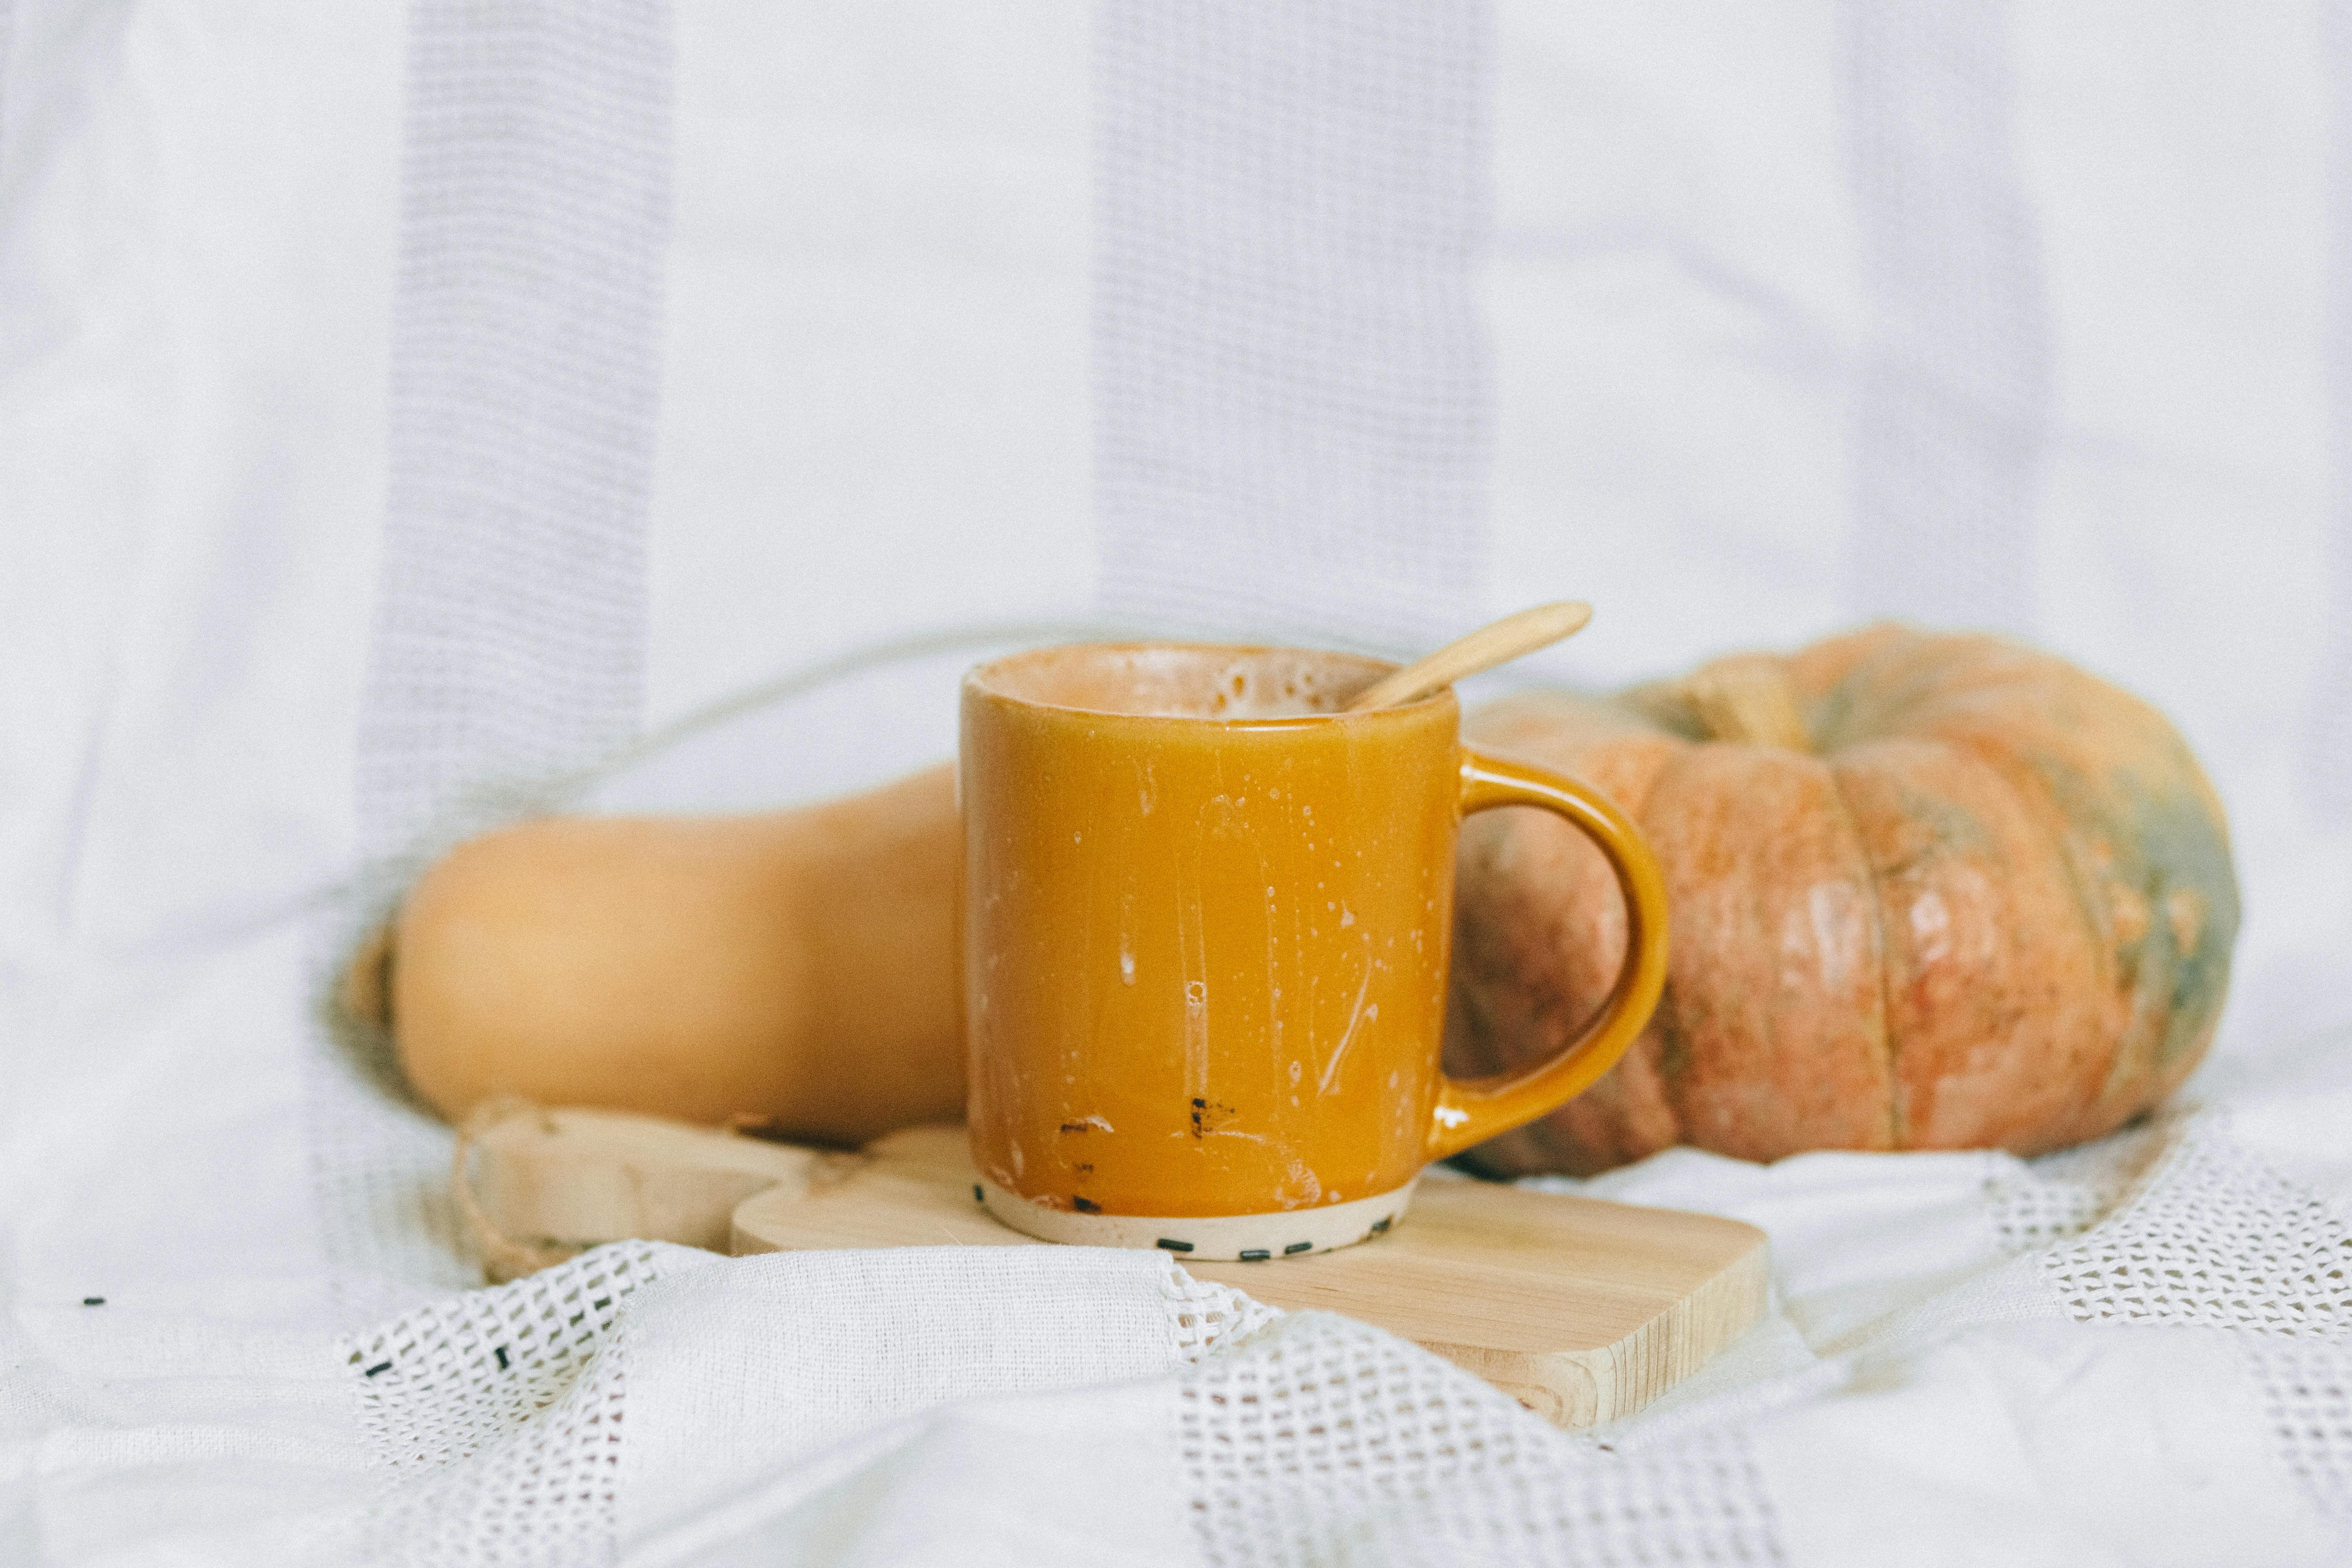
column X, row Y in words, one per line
column 1323, row 1441
column 1953, row 401
column 1697, row 1497
column 2060, row 1196
column 502, row 1417
column 2307, row 1394
column 500, row 1413
column 2326, row 738
column 2217, row 1237
column 2220, row 1238
column 1204, row 1318
column 7, row 33
column 510, row 623
column 380, row 1167
column 510, row 618
column 1314, row 1426
column 1292, row 408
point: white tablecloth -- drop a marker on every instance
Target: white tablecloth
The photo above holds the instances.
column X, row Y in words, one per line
column 2139, row 1351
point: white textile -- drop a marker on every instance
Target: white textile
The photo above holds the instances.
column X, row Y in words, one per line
column 404, row 408
column 1970, row 1359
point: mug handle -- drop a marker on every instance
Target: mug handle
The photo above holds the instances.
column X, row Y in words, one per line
column 1471, row 1111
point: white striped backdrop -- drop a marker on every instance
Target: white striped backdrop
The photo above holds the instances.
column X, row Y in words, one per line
column 1362, row 322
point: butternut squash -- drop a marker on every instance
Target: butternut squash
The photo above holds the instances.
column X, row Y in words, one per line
column 797, row 967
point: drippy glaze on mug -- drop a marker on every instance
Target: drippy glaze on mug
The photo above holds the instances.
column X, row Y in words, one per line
column 1208, row 936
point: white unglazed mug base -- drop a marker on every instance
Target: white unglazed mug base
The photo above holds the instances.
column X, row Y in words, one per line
column 1217, row 1238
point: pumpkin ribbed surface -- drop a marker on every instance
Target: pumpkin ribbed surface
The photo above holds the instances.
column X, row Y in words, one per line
column 1926, row 892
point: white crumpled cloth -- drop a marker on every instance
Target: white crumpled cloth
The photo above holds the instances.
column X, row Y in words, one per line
column 2136, row 1352
column 2132, row 1352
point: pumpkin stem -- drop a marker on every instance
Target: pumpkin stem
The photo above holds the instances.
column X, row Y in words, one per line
column 1746, row 698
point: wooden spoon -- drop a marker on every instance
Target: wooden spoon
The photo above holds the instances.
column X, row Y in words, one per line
column 1497, row 643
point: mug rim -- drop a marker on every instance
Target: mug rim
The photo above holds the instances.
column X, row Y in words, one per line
column 977, row 682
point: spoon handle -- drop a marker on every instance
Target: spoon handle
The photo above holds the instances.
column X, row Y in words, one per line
column 1500, row 642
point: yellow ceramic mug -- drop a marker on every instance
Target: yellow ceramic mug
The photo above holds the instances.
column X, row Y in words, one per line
column 1206, row 920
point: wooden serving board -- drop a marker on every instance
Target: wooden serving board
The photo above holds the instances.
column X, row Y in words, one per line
column 1584, row 1311
column 570, row 1178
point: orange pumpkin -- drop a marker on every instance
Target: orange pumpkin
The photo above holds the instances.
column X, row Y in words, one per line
column 1926, row 892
